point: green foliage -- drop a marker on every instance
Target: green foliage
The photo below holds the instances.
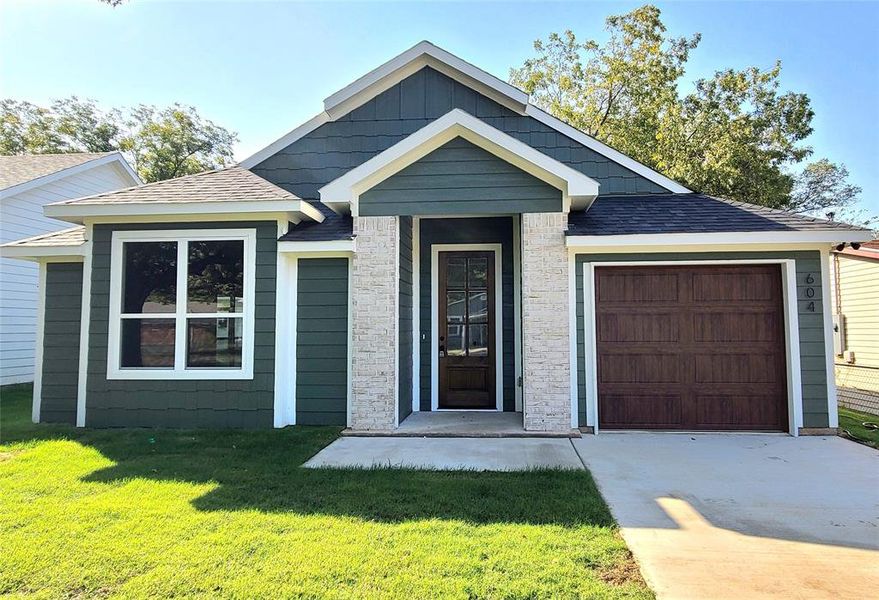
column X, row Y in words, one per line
column 140, row 513
column 160, row 143
column 735, row 135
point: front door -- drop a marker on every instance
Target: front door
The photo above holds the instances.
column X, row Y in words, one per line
column 466, row 330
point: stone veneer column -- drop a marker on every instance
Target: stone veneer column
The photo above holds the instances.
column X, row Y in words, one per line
column 375, row 287
column 545, row 326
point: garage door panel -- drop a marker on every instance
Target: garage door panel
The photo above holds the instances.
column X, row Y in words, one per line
column 733, row 285
column 638, row 286
column 706, row 352
column 639, row 327
column 721, row 327
column 634, row 411
column 639, row 368
column 736, row 368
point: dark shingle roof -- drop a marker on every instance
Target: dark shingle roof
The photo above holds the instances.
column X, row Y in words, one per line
column 333, row 227
column 687, row 213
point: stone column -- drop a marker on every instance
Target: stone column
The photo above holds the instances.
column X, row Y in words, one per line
column 375, row 289
column 545, row 323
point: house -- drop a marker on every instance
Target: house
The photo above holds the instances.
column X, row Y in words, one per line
column 27, row 183
column 855, row 272
column 432, row 241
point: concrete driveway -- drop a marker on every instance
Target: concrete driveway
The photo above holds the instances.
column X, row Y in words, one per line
column 744, row 516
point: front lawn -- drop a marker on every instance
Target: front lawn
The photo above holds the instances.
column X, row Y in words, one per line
column 137, row 513
column 851, row 425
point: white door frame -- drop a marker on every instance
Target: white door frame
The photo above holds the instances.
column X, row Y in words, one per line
column 435, row 249
column 791, row 323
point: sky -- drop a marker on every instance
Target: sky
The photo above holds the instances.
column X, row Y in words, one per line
column 262, row 68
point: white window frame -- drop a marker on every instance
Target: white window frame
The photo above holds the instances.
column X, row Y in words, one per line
column 182, row 237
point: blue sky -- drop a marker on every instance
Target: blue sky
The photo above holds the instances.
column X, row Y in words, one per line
column 262, row 68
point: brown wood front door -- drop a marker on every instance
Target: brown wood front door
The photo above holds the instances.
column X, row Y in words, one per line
column 691, row 347
column 466, row 330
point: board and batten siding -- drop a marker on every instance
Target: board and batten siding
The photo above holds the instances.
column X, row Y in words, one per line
column 322, row 341
column 404, row 354
column 336, row 147
column 183, row 403
column 460, row 178
column 22, row 216
column 63, row 304
column 487, row 230
column 857, row 299
column 813, row 365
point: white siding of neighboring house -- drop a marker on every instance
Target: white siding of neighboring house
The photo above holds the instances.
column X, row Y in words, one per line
column 857, row 298
column 21, row 216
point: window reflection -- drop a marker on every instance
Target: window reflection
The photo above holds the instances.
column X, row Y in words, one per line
column 215, row 281
column 149, row 277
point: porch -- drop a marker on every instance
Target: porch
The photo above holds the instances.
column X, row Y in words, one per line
column 462, row 424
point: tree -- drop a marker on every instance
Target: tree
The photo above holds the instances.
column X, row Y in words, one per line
column 735, row 135
column 161, row 144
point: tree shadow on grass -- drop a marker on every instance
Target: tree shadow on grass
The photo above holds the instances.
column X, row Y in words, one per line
column 261, row 470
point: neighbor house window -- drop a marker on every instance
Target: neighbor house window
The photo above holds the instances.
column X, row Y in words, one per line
column 182, row 304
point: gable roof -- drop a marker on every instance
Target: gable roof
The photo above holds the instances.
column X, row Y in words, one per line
column 578, row 190
column 221, row 191
column 20, row 172
column 424, row 54
column 695, row 213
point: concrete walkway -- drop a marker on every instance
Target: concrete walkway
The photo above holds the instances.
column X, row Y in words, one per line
column 487, row 454
column 743, row 516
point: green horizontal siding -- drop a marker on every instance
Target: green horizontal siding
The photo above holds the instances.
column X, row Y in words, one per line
column 813, row 366
column 61, row 343
column 183, row 403
column 405, row 315
column 336, row 147
column 322, row 341
column 460, row 178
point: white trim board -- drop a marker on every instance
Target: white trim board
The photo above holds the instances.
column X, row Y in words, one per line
column 38, row 354
column 435, row 249
column 832, row 404
column 179, row 371
column 286, row 341
column 673, row 241
column 424, row 54
column 342, row 194
column 84, row 330
column 791, row 314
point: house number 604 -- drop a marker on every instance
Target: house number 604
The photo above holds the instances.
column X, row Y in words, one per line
column 810, row 292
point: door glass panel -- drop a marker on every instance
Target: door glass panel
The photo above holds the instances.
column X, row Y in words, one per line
column 456, row 277
column 478, row 306
column 477, row 273
column 478, row 342
column 455, row 340
column 455, row 306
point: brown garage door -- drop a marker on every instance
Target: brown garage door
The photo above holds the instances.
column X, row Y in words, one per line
column 691, row 347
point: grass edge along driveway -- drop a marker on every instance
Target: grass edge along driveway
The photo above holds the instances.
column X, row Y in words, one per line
column 138, row 512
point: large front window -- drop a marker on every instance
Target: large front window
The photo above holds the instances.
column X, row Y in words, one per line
column 182, row 305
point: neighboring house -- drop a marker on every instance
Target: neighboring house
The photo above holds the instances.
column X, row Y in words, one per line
column 433, row 241
column 27, row 183
column 856, row 323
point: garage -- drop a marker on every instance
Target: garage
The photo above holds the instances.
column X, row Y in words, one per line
column 691, row 347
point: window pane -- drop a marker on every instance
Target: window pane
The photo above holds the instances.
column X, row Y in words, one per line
column 478, row 340
column 215, row 281
column 456, row 275
column 147, row 343
column 149, row 277
column 455, row 306
column 478, row 307
column 478, row 273
column 455, row 339
column 214, row 342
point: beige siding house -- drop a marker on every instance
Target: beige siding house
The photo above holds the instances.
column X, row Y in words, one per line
column 856, row 311
column 27, row 183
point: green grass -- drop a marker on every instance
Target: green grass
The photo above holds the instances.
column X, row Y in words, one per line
column 852, row 422
column 137, row 513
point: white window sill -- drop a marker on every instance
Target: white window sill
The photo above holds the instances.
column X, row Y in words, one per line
column 169, row 375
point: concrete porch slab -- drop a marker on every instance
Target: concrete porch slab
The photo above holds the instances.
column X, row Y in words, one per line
column 463, row 424
column 448, row 454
